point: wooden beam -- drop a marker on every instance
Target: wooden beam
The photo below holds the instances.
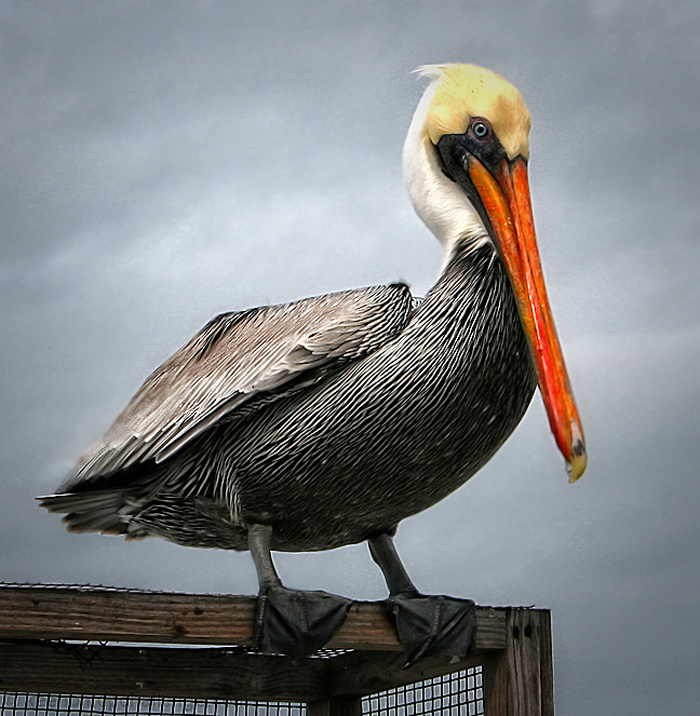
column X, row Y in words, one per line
column 203, row 673
column 103, row 614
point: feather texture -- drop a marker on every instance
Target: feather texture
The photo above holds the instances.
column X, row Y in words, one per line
column 237, row 357
column 331, row 419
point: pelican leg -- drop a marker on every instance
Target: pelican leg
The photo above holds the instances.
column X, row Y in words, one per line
column 425, row 624
column 288, row 621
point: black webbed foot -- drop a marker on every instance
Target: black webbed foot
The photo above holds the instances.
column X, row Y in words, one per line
column 289, row 621
column 296, row 623
column 425, row 624
column 432, row 624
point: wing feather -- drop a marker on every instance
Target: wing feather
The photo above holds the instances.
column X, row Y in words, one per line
column 238, row 356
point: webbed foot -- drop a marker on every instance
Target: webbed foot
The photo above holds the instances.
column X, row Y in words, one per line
column 425, row 624
column 432, row 624
column 296, row 623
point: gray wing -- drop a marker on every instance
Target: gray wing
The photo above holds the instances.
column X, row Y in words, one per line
column 236, row 357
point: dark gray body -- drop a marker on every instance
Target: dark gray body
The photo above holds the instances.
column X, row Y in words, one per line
column 379, row 428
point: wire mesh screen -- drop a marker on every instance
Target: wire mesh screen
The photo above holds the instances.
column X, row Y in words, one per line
column 458, row 694
column 39, row 704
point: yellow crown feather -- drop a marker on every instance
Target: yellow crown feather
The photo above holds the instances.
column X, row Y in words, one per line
column 465, row 91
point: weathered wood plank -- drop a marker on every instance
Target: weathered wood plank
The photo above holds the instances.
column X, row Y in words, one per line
column 156, row 671
column 100, row 614
column 519, row 680
column 546, row 666
column 115, row 615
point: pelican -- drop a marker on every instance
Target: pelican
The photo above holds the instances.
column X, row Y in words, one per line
column 325, row 422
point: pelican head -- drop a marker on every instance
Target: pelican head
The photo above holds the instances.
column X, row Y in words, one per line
column 465, row 166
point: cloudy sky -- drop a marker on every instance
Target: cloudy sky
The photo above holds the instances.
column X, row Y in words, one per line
column 166, row 161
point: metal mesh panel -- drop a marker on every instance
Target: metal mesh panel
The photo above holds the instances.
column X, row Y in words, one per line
column 458, row 694
column 40, row 704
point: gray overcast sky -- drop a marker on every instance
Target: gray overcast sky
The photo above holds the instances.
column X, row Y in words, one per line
column 166, row 161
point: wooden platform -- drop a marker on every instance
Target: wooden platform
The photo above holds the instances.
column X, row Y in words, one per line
column 62, row 639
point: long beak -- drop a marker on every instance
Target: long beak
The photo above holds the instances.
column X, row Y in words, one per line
column 506, row 200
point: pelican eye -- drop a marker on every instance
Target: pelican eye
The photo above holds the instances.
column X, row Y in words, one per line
column 480, row 129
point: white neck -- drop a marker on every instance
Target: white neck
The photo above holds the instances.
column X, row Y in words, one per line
column 440, row 202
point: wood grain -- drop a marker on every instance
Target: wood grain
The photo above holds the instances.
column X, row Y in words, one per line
column 519, row 680
column 133, row 616
column 156, row 671
column 49, row 641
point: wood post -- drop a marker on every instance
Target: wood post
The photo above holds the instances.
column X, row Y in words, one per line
column 519, row 679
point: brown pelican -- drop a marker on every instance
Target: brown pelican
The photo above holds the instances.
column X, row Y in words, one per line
column 325, row 422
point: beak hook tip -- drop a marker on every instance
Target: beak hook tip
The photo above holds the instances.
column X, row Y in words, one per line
column 579, row 460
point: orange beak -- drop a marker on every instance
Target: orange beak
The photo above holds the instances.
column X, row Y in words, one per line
column 506, row 199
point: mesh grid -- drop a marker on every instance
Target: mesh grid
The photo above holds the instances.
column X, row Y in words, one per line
column 458, row 694
column 40, row 704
